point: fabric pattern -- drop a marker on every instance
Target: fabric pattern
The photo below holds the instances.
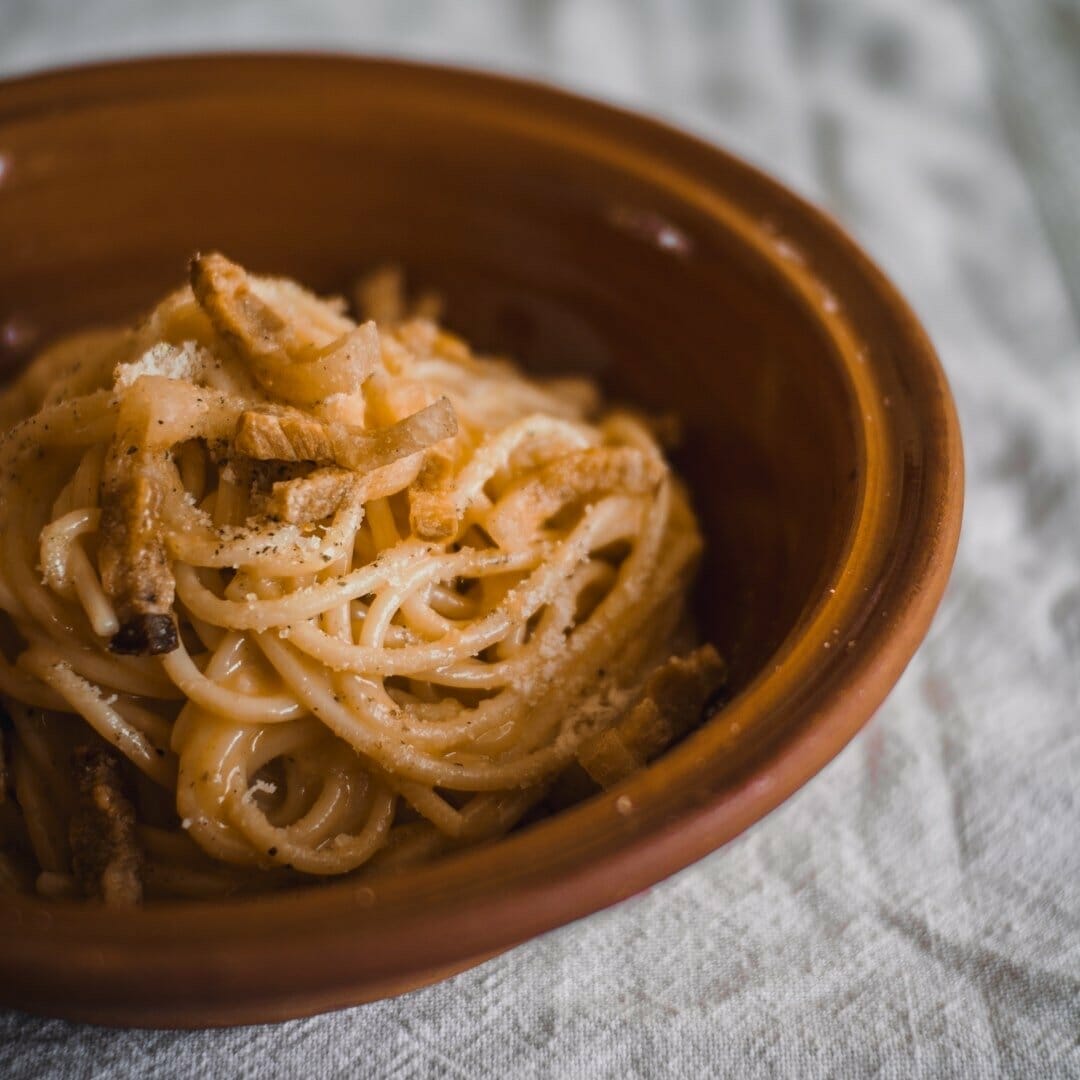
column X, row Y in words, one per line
column 915, row 910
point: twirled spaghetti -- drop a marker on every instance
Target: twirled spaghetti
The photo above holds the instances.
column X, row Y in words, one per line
column 286, row 595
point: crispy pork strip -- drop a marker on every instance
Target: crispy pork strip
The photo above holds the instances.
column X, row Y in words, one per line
column 675, row 695
column 223, row 291
column 309, row 498
column 432, row 514
column 105, row 858
column 295, row 437
column 155, row 413
column 582, row 475
column 135, row 568
column 281, row 359
column 288, row 437
column 315, row 496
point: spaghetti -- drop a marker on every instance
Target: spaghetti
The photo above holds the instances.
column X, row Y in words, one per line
column 285, row 596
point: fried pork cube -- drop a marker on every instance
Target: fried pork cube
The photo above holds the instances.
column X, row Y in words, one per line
column 675, row 695
column 105, row 858
column 135, row 569
column 296, row 437
column 309, row 498
column 299, row 348
column 432, row 514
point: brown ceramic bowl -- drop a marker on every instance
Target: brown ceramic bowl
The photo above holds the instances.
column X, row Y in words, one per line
column 821, row 446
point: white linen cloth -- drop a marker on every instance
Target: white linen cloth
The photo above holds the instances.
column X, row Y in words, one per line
column 915, row 910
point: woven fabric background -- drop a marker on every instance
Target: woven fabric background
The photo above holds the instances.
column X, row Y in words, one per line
column 915, row 910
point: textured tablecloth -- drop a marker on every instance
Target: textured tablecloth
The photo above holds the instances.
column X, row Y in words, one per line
column 915, row 910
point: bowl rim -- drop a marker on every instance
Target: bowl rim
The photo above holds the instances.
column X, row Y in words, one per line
column 380, row 932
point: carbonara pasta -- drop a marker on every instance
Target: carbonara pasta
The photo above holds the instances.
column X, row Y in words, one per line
column 287, row 596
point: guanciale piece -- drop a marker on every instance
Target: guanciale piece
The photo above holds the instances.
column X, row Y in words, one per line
column 672, row 703
column 105, row 857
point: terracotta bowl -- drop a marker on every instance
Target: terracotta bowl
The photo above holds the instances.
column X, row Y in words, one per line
column 821, row 445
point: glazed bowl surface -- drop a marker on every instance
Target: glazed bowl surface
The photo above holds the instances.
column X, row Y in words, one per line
column 820, row 444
